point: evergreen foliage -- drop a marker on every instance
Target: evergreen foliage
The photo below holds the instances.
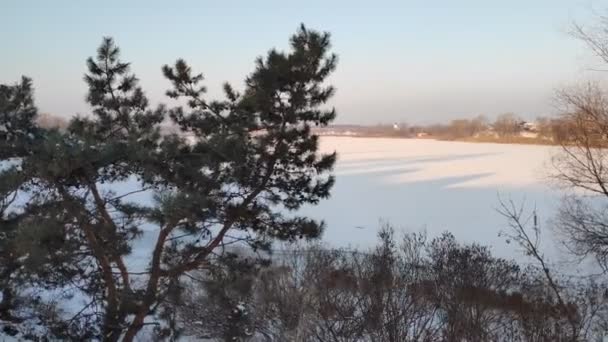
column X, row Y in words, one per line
column 236, row 172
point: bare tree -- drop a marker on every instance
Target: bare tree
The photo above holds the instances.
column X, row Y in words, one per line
column 577, row 304
column 529, row 239
column 544, row 127
column 594, row 37
column 409, row 290
column 478, row 124
column 581, row 166
column 507, row 125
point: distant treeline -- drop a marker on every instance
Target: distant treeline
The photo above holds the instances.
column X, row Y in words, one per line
column 506, row 127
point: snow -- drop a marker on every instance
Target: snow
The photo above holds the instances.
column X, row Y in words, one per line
column 240, row 308
column 427, row 160
column 414, row 184
column 418, row 184
column 206, row 171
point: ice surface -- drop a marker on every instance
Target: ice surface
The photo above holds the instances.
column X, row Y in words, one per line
column 434, row 185
column 414, row 184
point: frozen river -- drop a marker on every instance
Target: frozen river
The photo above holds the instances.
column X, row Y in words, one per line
column 434, row 185
column 418, row 184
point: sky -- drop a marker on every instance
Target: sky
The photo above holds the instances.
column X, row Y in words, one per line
column 399, row 61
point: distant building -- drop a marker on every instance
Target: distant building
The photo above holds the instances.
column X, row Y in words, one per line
column 529, row 126
column 396, row 126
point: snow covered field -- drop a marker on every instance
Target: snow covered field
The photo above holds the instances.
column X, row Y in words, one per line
column 434, row 185
column 417, row 184
column 420, row 184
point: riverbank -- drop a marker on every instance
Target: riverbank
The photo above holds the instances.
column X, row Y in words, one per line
column 507, row 140
column 519, row 140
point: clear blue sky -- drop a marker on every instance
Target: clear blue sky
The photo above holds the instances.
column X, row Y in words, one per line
column 414, row 61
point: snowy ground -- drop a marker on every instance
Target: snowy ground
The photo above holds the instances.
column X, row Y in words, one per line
column 419, row 184
column 434, row 185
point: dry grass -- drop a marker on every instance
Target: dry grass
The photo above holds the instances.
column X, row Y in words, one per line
column 480, row 139
column 508, row 140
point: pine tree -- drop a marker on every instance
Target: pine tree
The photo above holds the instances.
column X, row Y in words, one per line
column 253, row 163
